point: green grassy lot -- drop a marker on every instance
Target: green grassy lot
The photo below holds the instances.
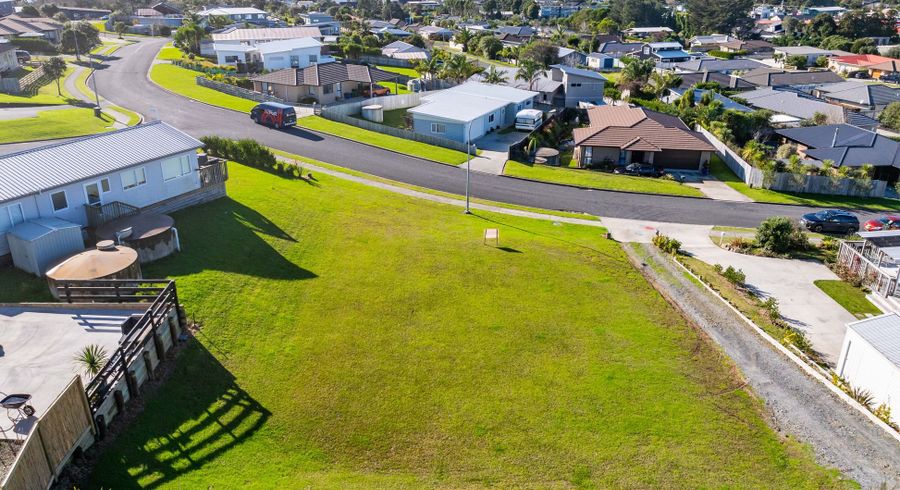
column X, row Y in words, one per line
column 400, row 145
column 397, row 88
column 46, row 95
column 183, row 82
column 356, row 338
column 853, row 299
column 723, row 173
column 598, row 180
column 169, row 52
column 411, row 73
column 63, row 123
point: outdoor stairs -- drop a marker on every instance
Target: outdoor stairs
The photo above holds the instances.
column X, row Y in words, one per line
column 887, row 305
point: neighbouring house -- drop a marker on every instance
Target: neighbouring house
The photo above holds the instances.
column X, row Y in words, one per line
column 238, row 15
column 890, row 68
column 274, row 55
column 13, row 26
column 782, row 53
column 855, row 62
column 404, row 51
column 666, row 52
column 643, row 32
column 875, row 259
column 791, row 108
column 149, row 165
column 870, row 360
column 708, row 42
column 82, row 13
column 869, row 97
column 7, row 7
column 8, row 60
column 323, row 83
column 725, row 81
column 511, row 40
column 469, row 111
column 519, row 31
column 847, row 146
column 600, row 61
column 554, row 10
column 608, row 55
column 727, row 104
column 716, row 65
column 436, row 33
column 769, row 28
column 620, row 135
column 750, row 47
column 578, row 85
column 251, row 37
column 550, row 92
column 798, row 80
column 571, row 57
column 833, row 11
column 326, row 23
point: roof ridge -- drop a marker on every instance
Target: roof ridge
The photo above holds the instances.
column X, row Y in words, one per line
column 82, row 138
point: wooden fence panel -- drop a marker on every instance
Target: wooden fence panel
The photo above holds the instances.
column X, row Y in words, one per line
column 30, row 471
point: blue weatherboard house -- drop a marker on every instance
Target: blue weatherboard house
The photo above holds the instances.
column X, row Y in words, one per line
column 469, row 111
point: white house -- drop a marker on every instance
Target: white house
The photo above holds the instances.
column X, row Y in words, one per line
column 274, row 55
column 235, row 14
column 810, row 53
column 404, row 51
column 146, row 165
column 8, row 60
column 251, row 37
column 870, row 359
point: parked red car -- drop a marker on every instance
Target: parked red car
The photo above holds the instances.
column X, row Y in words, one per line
column 884, row 223
column 377, row 92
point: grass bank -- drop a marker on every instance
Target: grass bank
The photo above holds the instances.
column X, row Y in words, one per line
column 853, row 299
column 400, row 145
column 598, row 180
column 356, row 338
column 53, row 124
column 46, row 95
column 723, row 173
column 183, row 82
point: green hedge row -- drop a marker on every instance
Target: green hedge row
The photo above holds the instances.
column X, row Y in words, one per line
column 249, row 152
column 35, row 45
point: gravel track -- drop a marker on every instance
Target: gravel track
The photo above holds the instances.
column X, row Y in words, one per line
column 798, row 404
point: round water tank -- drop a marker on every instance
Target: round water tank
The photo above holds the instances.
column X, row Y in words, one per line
column 374, row 113
column 107, row 261
column 152, row 236
column 549, row 156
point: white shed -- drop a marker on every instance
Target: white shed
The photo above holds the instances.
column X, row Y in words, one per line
column 37, row 244
column 870, row 359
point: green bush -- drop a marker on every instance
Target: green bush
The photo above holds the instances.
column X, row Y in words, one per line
column 246, row 151
column 723, row 54
column 779, row 234
column 35, row 45
column 734, row 276
column 666, row 244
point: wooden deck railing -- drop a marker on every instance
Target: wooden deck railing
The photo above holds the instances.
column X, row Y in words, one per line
column 97, row 214
column 214, row 171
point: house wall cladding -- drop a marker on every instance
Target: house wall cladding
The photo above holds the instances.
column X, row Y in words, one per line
column 790, row 182
column 342, row 113
column 192, row 198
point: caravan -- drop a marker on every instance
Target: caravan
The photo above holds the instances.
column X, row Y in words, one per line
column 529, row 119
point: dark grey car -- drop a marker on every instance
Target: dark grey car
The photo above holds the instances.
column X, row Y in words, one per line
column 831, row 221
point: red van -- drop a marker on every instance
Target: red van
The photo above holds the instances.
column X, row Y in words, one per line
column 274, row 114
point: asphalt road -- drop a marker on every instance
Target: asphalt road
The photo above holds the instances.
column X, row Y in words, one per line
column 124, row 81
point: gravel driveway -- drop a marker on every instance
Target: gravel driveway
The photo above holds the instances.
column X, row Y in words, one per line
column 798, row 404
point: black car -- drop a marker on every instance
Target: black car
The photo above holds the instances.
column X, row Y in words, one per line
column 23, row 56
column 639, row 169
column 831, row 220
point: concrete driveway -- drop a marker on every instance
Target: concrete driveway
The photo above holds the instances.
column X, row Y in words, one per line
column 800, row 301
column 494, row 151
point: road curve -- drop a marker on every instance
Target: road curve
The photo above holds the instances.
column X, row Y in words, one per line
column 124, row 81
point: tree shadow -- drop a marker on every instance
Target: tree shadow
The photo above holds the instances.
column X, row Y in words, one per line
column 509, row 250
column 224, row 235
column 199, row 414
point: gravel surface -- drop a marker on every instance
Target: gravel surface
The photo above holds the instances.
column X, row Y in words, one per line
column 798, row 404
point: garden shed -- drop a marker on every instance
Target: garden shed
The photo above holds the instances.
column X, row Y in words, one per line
column 36, row 244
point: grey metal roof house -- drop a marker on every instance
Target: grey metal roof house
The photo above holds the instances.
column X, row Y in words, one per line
column 768, row 77
column 792, row 104
column 847, row 146
column 883, row 333
column 870, row 359
column 871, row 96
column 727, row 104
column 717, row 65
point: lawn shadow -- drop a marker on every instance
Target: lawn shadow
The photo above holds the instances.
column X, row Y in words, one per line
column 225, row 235
column 199, row 414
column 508, row 249
column 531, row 232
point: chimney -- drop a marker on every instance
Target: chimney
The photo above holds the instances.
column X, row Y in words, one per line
column 834, row 140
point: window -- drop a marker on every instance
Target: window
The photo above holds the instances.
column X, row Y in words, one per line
column 59, row 201
column 491, row 118
column 588, row 154
column 133, row 178
column 313, row 58
column 104, row 185
column 574, row 84
column 92, row 193
column 176, row 167
column 327, row 89
column 11, row 216
column 438, row 128
column 295, row 61
column 231, row 59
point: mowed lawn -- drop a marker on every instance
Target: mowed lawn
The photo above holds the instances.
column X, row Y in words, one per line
column 355, row 338
column 62, row 123
column 598, row 180
column 853, row 299
column 183, row 82
column 386, row 141
column 46, row 95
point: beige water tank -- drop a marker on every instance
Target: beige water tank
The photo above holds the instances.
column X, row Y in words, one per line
column 374, row 113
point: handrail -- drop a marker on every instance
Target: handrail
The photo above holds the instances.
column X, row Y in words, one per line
column 97, row 214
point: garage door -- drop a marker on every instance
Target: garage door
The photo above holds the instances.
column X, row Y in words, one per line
column 683, row 160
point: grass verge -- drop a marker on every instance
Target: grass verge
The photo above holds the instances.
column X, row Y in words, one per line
column 46, row 95
column 53, row 124
column 723, row 173
column 401, row 371
column 400, row 145
column 183, row 82
column 169, row 52
column 598, row 180
column 853, row 299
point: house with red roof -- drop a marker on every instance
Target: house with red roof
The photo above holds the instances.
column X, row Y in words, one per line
column 855, row 62
column 621, row 135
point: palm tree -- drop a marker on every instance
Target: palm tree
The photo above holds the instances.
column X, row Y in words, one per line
column 428, row 68
column 459, row 68
column 463, row 37
column 495, row 76
column 91, row 359
column 663, row 81
column 530, row 72
column 635, row 74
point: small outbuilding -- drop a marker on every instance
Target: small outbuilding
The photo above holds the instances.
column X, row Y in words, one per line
column 36, row 244
column 870, row 359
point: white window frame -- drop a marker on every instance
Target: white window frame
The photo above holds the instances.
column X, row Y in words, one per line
column 134, row 171
column 438, row 128
column 104, row 182
column 65, row 196
column 588, row 154
column 184, row 167
column 99, row 192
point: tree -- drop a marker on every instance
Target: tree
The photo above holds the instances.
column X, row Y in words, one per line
column 836, row 42
column 776, row 234
column 428, row 68
column 61, row 17
column 796, row 60
column 459, row 68
column 894, row 52
column 608, row 26
column 541, row 52
column 640, row 12
column 710, row 16
column 864, row 46
column 416, row 40
column 91, row 359
column 635, row 75
column 792, row 26
column 29, row 11
column 491, row 8
column 531, row 10
column 890, row 116
column 218, row 21
column 120, row 28
column 494, row 76
column 490, row 46
column 661, row 82
column 188, row 37
column 55, row 68
column 49, row 10
column 463, row 37
column 79, row 37
column 822, row 26
column 529, row 71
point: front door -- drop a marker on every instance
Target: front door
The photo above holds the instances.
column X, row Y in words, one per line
column 338, row 90
column 637, row 157
column 92, row 193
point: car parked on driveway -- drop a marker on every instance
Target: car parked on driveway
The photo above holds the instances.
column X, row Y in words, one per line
column 883, row 223
column 376, row 92
column 639, row 169
column 831, row 221
column 23, row 56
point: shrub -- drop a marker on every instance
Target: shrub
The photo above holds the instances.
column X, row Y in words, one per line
column 847, row 275
column 778, row 234
column 740, row 244
column 883, row 412
column 246, row 151
column 735, row 276
column 771, row 307
column 666, row 244
column 35, row 45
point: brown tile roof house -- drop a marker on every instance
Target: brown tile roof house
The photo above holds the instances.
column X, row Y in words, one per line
column 620, row 135
column 326, row 82
column 15, row 26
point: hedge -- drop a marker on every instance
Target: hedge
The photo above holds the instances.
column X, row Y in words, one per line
column 249, row 152
column 35, row 45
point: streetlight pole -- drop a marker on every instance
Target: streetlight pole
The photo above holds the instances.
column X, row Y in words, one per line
column 94, row 80
column 468, row 163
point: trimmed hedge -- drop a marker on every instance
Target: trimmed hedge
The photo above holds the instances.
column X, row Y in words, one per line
column 249, row 152
column 35, row 45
